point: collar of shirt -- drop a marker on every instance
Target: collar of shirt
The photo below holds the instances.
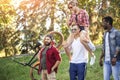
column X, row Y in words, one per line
column 48, row 48
column 110, row 30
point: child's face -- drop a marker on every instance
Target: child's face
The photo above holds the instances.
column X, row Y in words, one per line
column 72, row 8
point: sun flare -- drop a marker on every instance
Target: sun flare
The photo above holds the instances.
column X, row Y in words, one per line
column 15, row 3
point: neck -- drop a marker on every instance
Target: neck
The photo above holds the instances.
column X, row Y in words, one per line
column 76, row 36
column 77, row 10
column 47, row 45
column 109, row 28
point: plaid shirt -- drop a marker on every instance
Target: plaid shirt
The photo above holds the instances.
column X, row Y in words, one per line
column 52, row 55
column 82, row 18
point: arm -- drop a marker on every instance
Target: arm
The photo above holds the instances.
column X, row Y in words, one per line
column 102, row 54
column 39, row 54
column 67, row 50
column 57, row 58
column 85, row 40
column 86, row 19
column 70, row 20
column 67, row 44
column 101, row 59
column 117, row 42
column 56, row 65
column 114, row 59
column 69, row 41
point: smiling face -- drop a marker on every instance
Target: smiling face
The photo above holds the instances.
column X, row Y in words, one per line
column 107, row 23
column 75, row 29
column 72, row 6
column 47, row 41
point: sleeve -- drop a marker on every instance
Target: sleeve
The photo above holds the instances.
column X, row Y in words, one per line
column 86, row 19
column 57, row 54
column 118, row 40
column 38, row 55
column 80, row 17
column 103, row 45
column 70, row 20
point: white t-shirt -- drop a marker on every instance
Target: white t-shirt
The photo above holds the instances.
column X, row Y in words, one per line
column 107, row 48
column 79, row 52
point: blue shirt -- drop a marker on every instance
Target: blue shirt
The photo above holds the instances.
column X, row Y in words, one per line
column 114, row 43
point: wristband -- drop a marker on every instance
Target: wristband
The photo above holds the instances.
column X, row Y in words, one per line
column 115, row 56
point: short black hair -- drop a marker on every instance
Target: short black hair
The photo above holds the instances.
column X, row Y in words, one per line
column 108, row 19
column 50, row 36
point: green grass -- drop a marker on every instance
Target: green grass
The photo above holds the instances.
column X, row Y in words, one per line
column 10, row 70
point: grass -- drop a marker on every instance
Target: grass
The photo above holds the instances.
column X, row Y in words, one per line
column 10, row 70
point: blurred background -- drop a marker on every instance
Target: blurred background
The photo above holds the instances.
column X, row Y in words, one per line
column 23, row 23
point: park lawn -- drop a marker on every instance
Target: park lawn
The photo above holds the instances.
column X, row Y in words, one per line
column 9, row 70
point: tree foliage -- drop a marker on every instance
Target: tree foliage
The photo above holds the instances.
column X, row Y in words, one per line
column 7, row 16
column 32, row 19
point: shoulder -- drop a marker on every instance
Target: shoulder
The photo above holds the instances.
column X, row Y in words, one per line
column 83, row 11
column 54, row 48
column 83, row 32
column 117, row 32
column 73, row 15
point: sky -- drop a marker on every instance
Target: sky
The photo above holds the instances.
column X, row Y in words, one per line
column 16, row 3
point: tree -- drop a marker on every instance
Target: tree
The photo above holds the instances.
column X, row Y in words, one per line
column 32, row 19
column 7, row 14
